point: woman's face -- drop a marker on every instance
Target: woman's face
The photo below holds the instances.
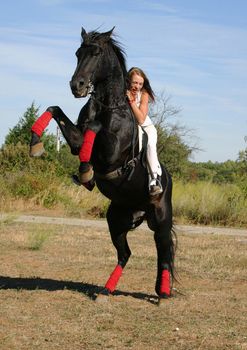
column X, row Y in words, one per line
column 136, row 83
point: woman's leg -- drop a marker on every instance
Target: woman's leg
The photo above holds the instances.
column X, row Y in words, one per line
column 153, row 162
column 152, row 150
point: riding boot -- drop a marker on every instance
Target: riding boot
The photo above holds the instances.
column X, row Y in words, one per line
column 36, row 146
column 155, row 187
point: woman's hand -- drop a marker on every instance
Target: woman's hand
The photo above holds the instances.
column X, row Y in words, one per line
column 131, row 96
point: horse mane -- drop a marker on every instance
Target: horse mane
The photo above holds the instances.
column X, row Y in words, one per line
column 117, row 48
column 92, row 37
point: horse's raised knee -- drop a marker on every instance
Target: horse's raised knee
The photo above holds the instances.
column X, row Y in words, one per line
column 54, row 110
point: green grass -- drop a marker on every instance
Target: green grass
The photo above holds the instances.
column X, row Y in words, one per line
column 210, row 204
column 37, row 239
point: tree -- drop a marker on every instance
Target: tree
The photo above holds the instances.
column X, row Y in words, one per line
column 173, row 147
column 21, row 132
column 14, row 153
column 242, row 160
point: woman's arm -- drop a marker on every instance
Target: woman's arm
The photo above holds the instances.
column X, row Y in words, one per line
column 141, row 111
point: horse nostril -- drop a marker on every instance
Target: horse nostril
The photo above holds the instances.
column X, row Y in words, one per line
column 76, row 85
column 80, row 83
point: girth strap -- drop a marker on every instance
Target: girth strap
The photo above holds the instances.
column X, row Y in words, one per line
column 119, row 171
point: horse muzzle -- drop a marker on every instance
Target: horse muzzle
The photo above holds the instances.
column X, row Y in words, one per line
column 80, row 88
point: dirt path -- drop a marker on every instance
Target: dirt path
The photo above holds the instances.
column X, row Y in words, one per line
column 49, row 286
column 101, row 224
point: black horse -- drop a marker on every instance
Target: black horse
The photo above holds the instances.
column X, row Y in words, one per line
column 119, row 168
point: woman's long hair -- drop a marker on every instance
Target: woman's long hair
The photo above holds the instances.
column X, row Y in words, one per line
column 146, row 84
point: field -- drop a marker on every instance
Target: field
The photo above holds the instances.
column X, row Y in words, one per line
column 50, row 276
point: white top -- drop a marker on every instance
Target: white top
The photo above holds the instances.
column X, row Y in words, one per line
column 148, row 120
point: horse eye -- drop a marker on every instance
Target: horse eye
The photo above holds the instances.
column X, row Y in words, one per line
column 96, row 53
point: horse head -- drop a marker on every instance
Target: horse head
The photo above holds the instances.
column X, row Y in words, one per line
column 88, row 55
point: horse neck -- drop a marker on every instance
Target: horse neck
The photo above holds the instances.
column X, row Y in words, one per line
column 111, row 90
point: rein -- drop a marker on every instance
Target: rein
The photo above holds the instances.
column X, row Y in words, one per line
column 110, row 108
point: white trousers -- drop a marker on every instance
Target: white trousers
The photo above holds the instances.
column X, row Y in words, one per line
column 152, row 150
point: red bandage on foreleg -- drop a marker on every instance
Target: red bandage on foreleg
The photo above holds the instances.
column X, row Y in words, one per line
column 87, row 146
column 165, row 283
column 114, row 278
column 41, row 123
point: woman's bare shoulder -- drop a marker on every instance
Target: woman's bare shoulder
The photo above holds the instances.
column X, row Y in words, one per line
column 144, row 95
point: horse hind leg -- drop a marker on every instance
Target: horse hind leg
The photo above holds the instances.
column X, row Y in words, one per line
column 120, row 242
column 165, row 241
column 119, row 224
column 160, row 221
column 123, row 253
column 165, row 263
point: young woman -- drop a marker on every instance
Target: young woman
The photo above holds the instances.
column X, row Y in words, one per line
column 139, row 94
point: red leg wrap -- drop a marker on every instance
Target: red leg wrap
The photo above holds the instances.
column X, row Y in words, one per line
column 41, row 123
column 165, row 283
column 114, row 278
column 87, row 146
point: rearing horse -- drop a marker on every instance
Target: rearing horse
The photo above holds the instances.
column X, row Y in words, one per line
column 119, row 168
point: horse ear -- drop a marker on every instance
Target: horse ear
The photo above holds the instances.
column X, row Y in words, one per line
column 106, row 36
column 83, row 33
column 110, row 32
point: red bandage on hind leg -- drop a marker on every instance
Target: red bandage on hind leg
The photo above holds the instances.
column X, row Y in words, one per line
column 165, row 283
column 87, row 146
column 114, row 278
column 41, row 123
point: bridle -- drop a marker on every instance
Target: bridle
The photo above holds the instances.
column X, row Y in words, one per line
column 107, row 107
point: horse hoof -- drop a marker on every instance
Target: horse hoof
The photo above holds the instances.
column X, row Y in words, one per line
column 37, row 150
column 103, row 296
column 102, row 299
column 162, row 299
column 76, row 180
column 86, row 177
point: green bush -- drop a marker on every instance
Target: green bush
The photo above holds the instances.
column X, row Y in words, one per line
column 209, row 203
column 45, row 182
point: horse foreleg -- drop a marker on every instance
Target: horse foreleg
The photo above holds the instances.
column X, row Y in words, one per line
column 70, row 132
column 36, row 146
column 85, row 168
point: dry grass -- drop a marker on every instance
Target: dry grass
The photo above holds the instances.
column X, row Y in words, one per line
column 47, row 296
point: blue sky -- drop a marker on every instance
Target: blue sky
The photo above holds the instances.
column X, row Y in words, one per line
column 194, row 51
